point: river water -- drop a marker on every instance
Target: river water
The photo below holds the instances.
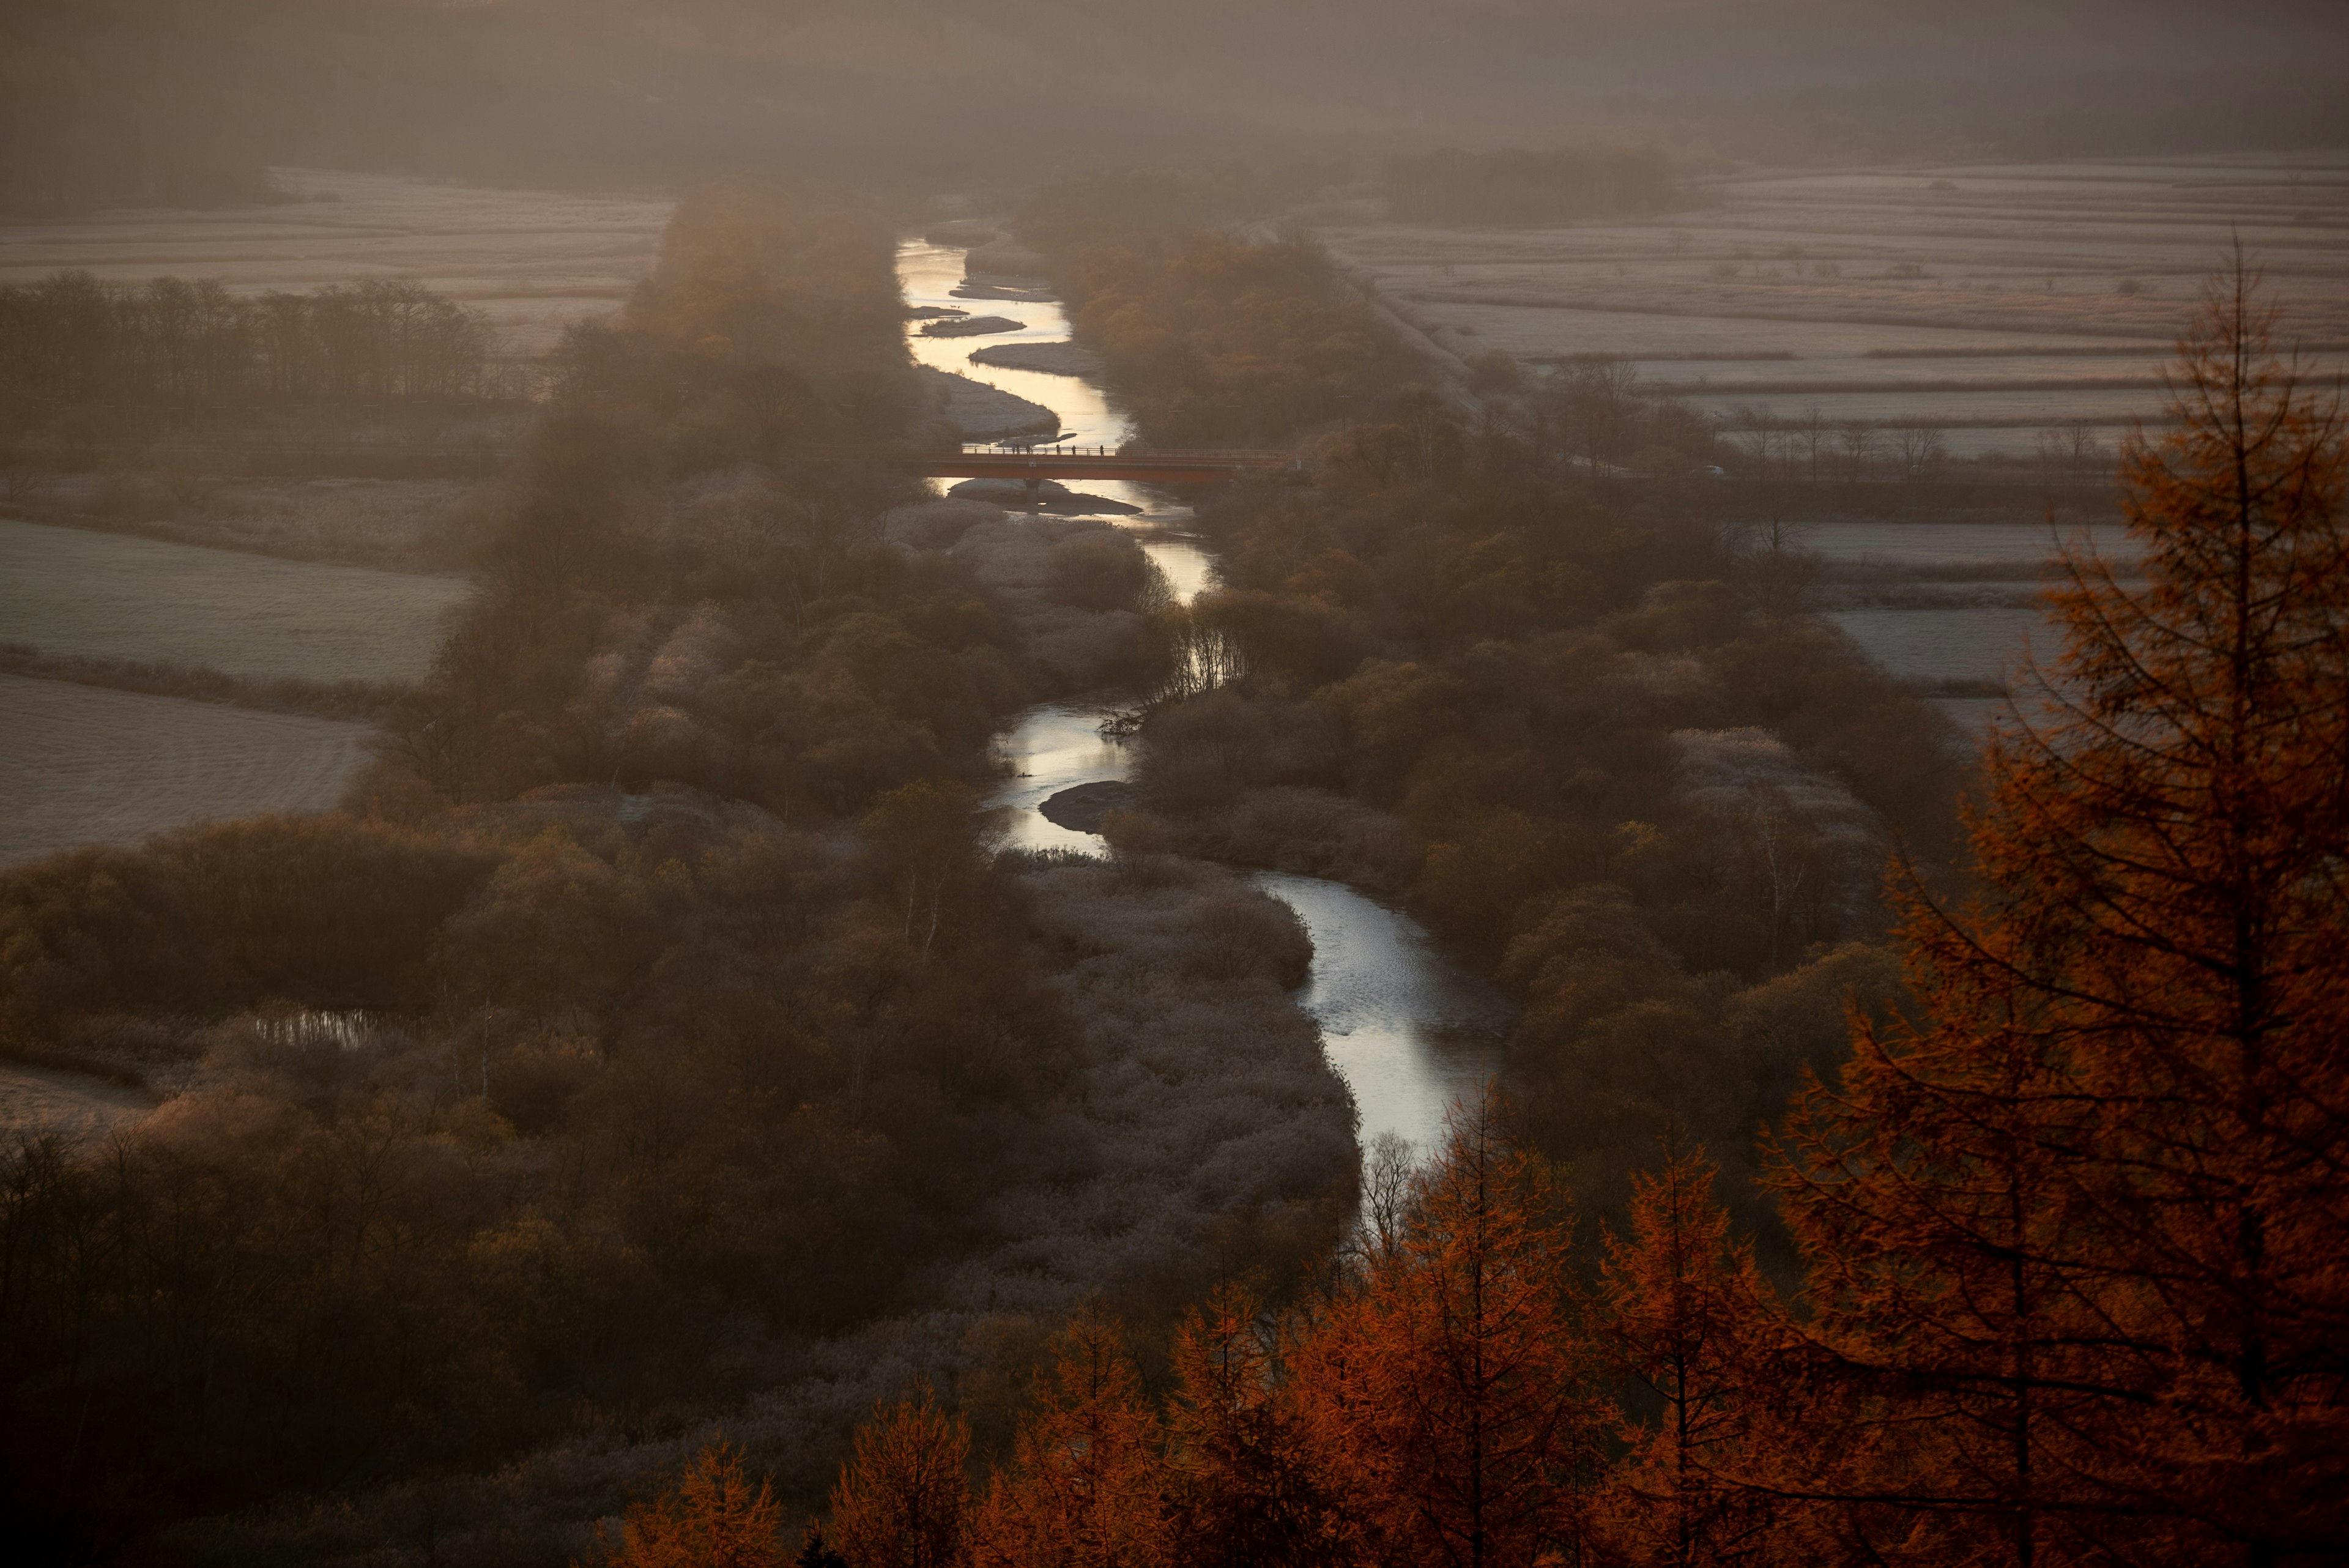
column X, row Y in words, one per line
column 1409, row 1030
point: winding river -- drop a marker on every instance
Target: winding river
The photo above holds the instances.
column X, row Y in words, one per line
column 1409, row 1030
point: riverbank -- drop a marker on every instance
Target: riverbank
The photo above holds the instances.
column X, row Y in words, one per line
column 1049, row 359
column 985, row 413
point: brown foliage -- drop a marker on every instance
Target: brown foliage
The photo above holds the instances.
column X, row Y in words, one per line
column 1450, row 1392
column 1213, row 341
column 710, row 1519
column 1246, row 1483
column 682, row 578
column 1086, row 1487
column 903, row 1499
column 1683, row 1313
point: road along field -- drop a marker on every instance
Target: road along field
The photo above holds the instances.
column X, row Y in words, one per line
column 1989, row 301
column 532, row 261
column 85, row 764
column 73, row 591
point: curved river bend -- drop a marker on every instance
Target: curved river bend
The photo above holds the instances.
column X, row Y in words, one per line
column 1408, row 1030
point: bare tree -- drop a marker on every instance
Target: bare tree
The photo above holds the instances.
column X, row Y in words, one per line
column 1859, row 439
column 2082, row 450
column 1920, row 446
column 1599, row 392
column 1810, row 429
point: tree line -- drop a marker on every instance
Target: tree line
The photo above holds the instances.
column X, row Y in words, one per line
column 71, row 340
column 681, row 579
column 2070, row 1224
column 1215, row 342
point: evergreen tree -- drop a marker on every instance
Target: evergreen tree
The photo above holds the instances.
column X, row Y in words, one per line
column 1245, row 1487
column 1683, row 1313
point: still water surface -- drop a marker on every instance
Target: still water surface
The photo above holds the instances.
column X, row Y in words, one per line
column 1409, row 1030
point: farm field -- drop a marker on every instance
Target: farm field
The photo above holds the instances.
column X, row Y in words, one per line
column 73, row 591
column 1990, row 300
column 85, row 764
column 1954, row 545
column 532, row 261
column 74, row 1106
column 1974, row 643
column 1946, row 602
column 397, row 524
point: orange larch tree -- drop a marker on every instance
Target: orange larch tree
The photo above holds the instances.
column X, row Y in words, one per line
column 1245, row 1487
column 1683, row 1312
column 710, row 1518
column 903, row 1499
column 1450, row 1392
column 1087, row 1485
column 2082, row 1232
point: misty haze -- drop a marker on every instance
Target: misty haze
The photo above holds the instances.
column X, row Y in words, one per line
column 995, row 783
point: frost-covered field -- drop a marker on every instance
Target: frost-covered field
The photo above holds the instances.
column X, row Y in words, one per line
column 73, row 591
column 1988, row 299
column 85, row 764
column 71, row 1106
column 1947, row 603
column 533, row 260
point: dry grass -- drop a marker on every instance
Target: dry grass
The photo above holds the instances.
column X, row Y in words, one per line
column 393, row 524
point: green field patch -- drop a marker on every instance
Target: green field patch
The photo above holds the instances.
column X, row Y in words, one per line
column 72, row 591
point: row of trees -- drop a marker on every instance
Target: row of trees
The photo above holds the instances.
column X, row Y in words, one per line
column 70, row 339
column 1211, row 341
column 680, row 579
column 1811, row 447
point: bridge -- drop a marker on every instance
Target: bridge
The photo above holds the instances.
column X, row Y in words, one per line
column 1039, row 464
